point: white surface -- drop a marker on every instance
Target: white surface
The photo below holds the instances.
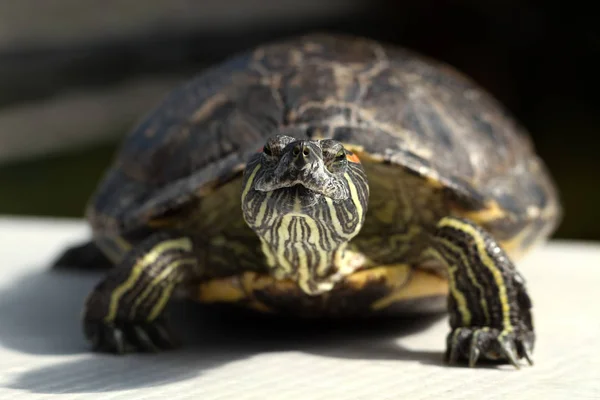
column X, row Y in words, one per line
column 43, row 355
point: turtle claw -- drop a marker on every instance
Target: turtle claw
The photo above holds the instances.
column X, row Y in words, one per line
column 474, row 344
column 451, row 355
column 456, row 339
column 120, row 337
column 508, row 349
column 527, row 354
column 163, row 334
column 474, row 352
column 144, row 340
column 105, row 337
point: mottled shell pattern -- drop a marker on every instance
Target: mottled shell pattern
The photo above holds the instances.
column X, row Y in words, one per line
column 387, row 104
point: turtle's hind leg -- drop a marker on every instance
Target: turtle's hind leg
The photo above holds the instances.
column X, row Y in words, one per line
column 490, row 310
column 125, row 312
column 82, row 256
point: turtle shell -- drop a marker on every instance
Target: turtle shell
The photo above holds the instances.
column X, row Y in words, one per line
column 387, row 104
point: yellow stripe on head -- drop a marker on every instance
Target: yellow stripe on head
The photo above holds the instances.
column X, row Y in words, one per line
column 250, row 181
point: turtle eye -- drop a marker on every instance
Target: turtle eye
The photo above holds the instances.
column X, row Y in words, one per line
column 267, row 150
column 338, row 162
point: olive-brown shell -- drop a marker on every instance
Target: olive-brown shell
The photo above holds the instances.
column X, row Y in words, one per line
column 389, row 104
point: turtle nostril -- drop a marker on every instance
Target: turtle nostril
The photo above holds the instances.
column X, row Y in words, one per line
column 301, row 150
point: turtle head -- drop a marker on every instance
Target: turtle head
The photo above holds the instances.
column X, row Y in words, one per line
column 305, row 199
column 305, row 170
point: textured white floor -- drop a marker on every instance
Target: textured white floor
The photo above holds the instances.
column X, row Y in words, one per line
column 43, row 355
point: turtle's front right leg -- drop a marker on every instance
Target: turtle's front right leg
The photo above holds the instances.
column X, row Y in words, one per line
column 125, row 312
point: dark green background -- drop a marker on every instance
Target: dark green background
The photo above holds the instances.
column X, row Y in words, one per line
column 541, row 61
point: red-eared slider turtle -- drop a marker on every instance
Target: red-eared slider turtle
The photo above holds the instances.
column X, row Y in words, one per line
column 322, row 175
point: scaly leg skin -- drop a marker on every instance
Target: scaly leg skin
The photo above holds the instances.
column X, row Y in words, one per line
column 490, row 310
column 124, row 312
column 83, row 256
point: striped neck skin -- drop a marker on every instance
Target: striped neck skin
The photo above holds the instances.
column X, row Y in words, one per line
column 306, row 200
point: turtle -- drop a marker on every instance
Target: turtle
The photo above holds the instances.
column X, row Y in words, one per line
column 323, row 175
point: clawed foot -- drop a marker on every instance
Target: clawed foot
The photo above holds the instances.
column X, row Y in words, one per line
column 473, row 344
column 127, row 337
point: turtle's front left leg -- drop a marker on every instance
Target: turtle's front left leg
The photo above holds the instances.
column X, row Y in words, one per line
column 490, row 310
column 125, row 312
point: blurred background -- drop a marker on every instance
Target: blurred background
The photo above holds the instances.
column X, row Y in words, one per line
column 76, row 75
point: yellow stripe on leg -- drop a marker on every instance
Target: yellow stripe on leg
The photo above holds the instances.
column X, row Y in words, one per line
column 167, row 271
column 148, row 259
column 162, row 302
column 115, row 247
column 459, row 297
column 470, row 273
column 487, row 262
